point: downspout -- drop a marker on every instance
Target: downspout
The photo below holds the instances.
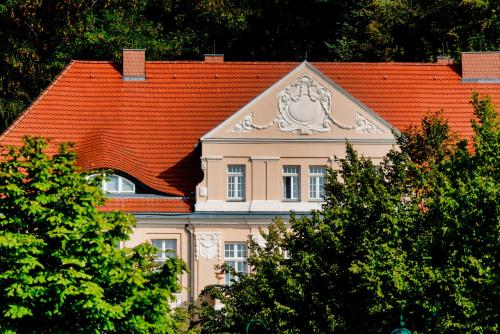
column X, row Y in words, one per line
column 189, row 229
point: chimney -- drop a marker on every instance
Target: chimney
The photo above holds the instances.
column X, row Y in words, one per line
column 134, row 64
column 481, row 66
column 444, row 60
column 214, row 58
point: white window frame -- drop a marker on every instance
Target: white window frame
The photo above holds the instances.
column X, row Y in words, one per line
column 317, row 176
column 236, row 177
column 165, row 252
column 239, row 257
column 292, row 172
column 121, row 181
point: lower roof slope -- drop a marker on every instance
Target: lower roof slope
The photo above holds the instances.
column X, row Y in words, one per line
column 150, row 129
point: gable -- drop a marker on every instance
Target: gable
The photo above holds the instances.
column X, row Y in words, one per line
column 304, row 105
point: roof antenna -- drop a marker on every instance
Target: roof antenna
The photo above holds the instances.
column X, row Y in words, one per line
column 306, row 56
column 214, row 47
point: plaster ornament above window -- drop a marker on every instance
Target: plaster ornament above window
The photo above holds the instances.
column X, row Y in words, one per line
column 208, row 245
column 304, row 107
column 365, row 126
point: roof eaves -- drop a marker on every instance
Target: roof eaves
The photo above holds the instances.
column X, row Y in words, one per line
column 37, row 100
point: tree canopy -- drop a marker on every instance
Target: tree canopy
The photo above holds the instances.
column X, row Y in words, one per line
column 60, row 268
column 422, row 228
column 39, row 37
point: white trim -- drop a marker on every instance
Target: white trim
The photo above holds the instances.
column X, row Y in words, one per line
column 257, row 206
column 121, row 180
column 317, row 177
column 212, row 157
column 264, row 158
column 295, row 181
column 238, row 184
column 364, row 141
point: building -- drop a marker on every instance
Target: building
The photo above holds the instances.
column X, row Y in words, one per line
column 207, row 152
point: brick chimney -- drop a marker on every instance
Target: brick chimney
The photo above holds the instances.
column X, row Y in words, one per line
column 481, row 66
column 134, row 64
column 214, row 58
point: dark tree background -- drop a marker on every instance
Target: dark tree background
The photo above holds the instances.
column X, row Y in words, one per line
column 39, row 37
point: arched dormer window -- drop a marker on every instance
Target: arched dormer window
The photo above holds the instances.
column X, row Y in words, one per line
column 117, row 184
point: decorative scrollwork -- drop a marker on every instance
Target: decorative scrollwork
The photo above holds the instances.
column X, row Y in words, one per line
column 247, row 125
column 304, row 107
column 365, row 126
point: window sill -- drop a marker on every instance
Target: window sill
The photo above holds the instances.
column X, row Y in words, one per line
column 240, row 200
column 290, row 200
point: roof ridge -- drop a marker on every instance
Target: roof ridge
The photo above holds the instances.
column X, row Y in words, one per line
column 84, row 61
column 394, row 63
column 35, row 101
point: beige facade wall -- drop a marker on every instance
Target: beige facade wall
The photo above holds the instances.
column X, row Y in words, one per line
column 201, row 272
column 264, row 172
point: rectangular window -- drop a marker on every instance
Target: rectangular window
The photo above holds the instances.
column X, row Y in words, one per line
column 291, row 182
column 236, row 182
column 235, row 256
column 317, row 182
column 166, row 248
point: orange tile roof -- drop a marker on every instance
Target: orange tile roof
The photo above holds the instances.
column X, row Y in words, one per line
column 148, row 205
column 150, row 129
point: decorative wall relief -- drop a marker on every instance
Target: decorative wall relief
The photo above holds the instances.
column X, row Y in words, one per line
column 247, row 125
column 365, row 126
column 304, row 107
column 208, row 245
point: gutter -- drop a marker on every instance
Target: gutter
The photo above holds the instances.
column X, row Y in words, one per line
column 189, row 229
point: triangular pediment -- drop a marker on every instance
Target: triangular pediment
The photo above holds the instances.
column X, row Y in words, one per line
column 305, row 105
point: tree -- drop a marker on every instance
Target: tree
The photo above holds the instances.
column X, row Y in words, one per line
column 422, row 227
column 60, row 268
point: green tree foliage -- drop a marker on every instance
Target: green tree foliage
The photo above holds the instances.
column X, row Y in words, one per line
column 60, row 268
column 422, row 227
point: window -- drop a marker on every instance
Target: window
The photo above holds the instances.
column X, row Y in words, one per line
column 235, row 256
column 116, row 184
column 291, row 182
column 236, row 182
column 166, row 248
column 317, row 182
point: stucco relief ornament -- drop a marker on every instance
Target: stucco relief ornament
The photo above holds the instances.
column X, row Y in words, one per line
column 207, row 245
column 365, row 126
column 247, row 125
column 304, row 107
